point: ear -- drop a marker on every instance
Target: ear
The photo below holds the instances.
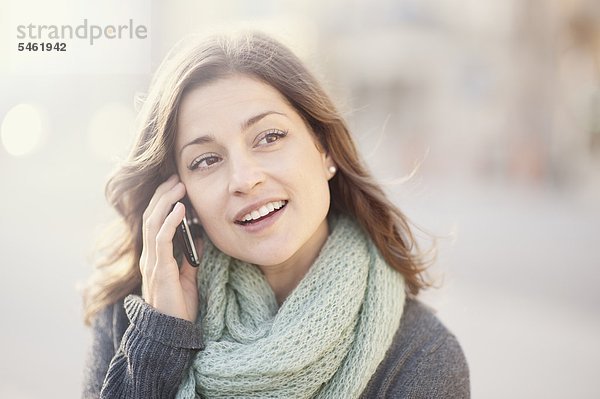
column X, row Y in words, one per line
column 328, row 165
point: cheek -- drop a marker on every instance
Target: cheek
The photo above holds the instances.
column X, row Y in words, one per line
column 303, row 157
column 310, row 169
column 311, row 181
column 206, row 205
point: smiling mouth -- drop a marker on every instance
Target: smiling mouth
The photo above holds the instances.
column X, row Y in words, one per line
column 255, row 216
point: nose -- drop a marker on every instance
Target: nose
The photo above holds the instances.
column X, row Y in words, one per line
column 245, row 175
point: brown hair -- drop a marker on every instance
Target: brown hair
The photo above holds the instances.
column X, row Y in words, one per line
column 353, row 190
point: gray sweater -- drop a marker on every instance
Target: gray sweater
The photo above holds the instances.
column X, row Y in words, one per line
column 138, row 352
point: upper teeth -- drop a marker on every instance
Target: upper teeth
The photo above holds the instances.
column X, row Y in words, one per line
column 263, row 210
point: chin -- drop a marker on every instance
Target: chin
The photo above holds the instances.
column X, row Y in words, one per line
column 265, row 253
column 265, row 258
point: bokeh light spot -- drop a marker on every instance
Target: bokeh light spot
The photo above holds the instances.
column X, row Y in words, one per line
column 21, row 130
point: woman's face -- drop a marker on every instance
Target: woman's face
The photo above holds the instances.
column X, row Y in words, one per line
column 253, row 172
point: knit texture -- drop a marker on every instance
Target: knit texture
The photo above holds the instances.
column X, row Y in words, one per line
column 325, row 341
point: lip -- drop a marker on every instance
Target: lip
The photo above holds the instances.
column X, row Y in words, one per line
column 254, row 206
column 265, row 223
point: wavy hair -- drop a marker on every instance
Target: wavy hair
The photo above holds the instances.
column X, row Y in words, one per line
column 353, row 190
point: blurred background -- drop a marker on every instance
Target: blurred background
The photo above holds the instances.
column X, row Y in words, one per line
column 482, row 119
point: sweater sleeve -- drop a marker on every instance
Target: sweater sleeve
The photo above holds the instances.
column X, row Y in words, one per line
column 106, row 328
column 152, row 356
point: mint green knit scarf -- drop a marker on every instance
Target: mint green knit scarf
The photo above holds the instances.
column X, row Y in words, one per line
column 325, row 341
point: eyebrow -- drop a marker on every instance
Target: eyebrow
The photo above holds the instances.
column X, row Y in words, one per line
column 209, row 138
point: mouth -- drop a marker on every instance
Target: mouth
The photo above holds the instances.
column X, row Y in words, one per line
column 264, row 212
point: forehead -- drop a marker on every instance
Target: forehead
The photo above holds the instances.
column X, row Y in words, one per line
column 225, row 103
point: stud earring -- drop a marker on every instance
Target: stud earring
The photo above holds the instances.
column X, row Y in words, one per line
column 332, row 169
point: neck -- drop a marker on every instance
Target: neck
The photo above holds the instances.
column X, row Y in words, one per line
column 285, row 277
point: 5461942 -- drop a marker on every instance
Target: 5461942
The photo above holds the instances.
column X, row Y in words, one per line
column 43, row 46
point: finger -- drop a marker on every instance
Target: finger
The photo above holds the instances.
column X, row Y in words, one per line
column 163, row 207
column 160, row 190
column 147, row 227
column 151, row 225
column 154, row 221
column 164, row 237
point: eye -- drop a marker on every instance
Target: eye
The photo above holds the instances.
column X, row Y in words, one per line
column 204, row 162
column 270, row 136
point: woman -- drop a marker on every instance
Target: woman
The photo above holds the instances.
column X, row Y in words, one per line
column 304, row 263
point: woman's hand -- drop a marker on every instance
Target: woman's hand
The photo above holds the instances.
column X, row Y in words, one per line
column 166, row 287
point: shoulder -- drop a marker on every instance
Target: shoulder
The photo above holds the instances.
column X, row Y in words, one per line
column 425, row 360
column 111, row 323
column 107, row 329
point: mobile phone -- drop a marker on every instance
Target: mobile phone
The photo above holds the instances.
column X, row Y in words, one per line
column 187, row 229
